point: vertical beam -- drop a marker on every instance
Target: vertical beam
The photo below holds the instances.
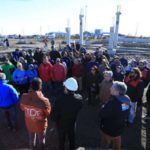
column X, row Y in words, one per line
column 81, row 27
column 118, row 13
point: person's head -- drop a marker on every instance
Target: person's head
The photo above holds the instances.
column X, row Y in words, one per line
column 118, row 69
column 79, row 61
column 65, row 54
column 88, row 56
column 24, row 53
column 135, row 73
column 36, row 84
column 37, row 49
column 2, row 76
column 108, row 75
column 70, row 85
column 116, row 58
column 104, row 61
column 58, row 60
column 94, row 70
column 93, row 58
column 45, row 60
column 19, row 66
column 142, row 64
column 133, row 63
column 21, row 59
column 31, row 66
column 118, row 88
column 17, row 49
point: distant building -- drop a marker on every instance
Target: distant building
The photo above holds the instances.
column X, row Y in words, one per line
column 98, row 32
column 53, row 35
column 87, row 34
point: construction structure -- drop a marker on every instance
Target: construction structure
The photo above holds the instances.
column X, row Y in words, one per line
column 81, row 16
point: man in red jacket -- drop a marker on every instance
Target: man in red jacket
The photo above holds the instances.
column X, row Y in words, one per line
column 45, row 73
column 59, row 73
column 78, row 72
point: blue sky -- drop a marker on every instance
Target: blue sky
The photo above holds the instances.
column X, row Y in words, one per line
column 36, row 16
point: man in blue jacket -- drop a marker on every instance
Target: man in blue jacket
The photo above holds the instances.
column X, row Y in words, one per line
column 8, row 101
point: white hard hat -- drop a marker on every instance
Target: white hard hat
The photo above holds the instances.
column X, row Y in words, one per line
column 71, row 84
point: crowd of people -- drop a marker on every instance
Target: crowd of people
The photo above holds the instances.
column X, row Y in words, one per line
column 60, row 82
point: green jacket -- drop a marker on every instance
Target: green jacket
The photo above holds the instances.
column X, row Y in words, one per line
column 8, row 70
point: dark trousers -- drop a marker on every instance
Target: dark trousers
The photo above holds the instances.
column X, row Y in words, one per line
column 37, row 137
column 64, row 133
column 148, row 108
column 22, row 88
column 10, row 114
column 58, row 88
column 47, row 89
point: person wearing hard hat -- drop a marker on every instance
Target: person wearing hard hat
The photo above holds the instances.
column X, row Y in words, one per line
column 65, row 113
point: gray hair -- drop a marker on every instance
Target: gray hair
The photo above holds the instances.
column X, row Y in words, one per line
column 120, row 87
column 109, row 73
column 2, row 76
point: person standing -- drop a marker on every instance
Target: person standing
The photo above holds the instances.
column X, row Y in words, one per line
column 114, row 116
column 78, row 72
column 8, row 69
column 59, row 73
column 8, row 102
column 45, row 73
column 65, row 113
column 135, row 92
column 92, row 85
column 20, row 78
column 31, row 73
column 36, row 108
column 147, row 116
column 104, row 87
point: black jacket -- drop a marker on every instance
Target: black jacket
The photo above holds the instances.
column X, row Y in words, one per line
column 148, row 94
column 114, row 115
column 66, row 109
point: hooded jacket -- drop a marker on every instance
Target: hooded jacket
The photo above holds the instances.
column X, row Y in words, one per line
column 114, row 115
column 20, row 77
column 31, row 74
column 36, row 108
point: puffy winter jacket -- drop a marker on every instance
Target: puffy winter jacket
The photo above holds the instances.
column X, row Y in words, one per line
column 59, row 72
column 114, row 115
column 8, row 94
column 20, row 77
column 45, row 72
column 31, row 74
